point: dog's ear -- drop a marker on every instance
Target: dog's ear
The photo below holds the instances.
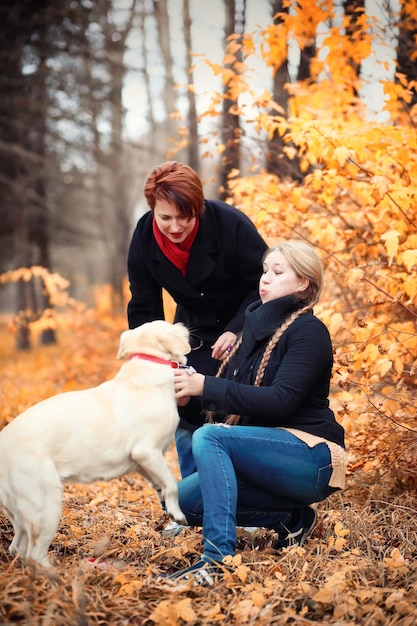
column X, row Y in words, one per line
column 123, row 344
column 175, row 342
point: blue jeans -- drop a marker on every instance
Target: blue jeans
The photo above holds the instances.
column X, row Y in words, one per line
column 200, row 358
column 183, row 441
column 250, row 476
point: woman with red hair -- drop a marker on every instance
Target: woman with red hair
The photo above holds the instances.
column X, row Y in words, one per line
column 208, row 256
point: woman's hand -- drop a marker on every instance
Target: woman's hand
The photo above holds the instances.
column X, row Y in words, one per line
column 223, row 345
column 187, row 385
column 183, row 401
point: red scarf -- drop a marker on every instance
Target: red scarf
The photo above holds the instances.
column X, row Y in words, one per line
column 177, row 253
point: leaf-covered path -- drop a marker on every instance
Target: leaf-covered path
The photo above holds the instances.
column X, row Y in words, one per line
column 360, row 566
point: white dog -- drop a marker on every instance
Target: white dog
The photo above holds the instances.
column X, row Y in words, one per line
column 123, row 425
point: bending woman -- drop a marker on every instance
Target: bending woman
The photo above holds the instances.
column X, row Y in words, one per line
column 207, row 255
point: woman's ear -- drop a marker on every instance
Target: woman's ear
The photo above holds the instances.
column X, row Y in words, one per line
column 303, row 284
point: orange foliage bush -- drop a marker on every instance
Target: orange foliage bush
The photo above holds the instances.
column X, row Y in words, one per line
column 369, row 304
column 83, row 356
column 358, row 206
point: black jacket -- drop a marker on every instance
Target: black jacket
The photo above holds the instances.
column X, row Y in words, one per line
column 222, row 277
column 295, row 388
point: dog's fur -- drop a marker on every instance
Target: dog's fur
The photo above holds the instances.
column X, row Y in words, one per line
column 123, row 425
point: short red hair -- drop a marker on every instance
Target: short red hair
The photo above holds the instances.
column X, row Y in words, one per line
column 178, row 184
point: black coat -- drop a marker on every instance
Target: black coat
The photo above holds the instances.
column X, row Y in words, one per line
column 295, row 388
column 222, row 277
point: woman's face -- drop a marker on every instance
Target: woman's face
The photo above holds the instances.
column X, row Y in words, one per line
column 278, row 278
column 171, row 223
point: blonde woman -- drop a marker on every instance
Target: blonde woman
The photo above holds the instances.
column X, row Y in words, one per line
column 273, row 446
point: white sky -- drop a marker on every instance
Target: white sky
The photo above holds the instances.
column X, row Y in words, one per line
column 207, row 33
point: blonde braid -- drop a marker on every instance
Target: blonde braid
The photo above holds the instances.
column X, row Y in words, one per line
column 235, row 419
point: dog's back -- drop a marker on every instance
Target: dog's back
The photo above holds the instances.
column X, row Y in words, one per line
column 122, row 425
column 90, row 433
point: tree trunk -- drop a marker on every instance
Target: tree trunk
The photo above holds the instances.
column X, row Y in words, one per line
column 146, row 76
column 353, row 10
column 277, row 162
column 231, row 131
column 407, row 49
column 21, row 157
column 117, row 221
column 41, row 233
column 193, row 143
column 162, row 18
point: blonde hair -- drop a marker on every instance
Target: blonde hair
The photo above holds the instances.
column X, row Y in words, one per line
column 303, row 260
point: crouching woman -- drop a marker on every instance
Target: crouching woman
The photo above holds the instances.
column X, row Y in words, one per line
column 273, row 446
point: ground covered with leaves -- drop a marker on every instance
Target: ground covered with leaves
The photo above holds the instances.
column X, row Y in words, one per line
column 360, row 567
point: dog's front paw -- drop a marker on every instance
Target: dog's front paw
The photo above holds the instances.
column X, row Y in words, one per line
column 180, row 519
column 177, row 515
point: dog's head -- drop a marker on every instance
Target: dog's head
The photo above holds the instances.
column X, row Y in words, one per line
column 157, row 338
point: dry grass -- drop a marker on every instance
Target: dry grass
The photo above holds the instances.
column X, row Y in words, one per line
column 360, row 567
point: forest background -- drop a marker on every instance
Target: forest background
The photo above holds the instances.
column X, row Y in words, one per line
column 279, row 120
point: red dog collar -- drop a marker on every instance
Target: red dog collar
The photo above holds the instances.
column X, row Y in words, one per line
column 155, row 359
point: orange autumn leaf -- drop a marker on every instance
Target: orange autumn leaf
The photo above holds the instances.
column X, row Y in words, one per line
column 391, row 239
